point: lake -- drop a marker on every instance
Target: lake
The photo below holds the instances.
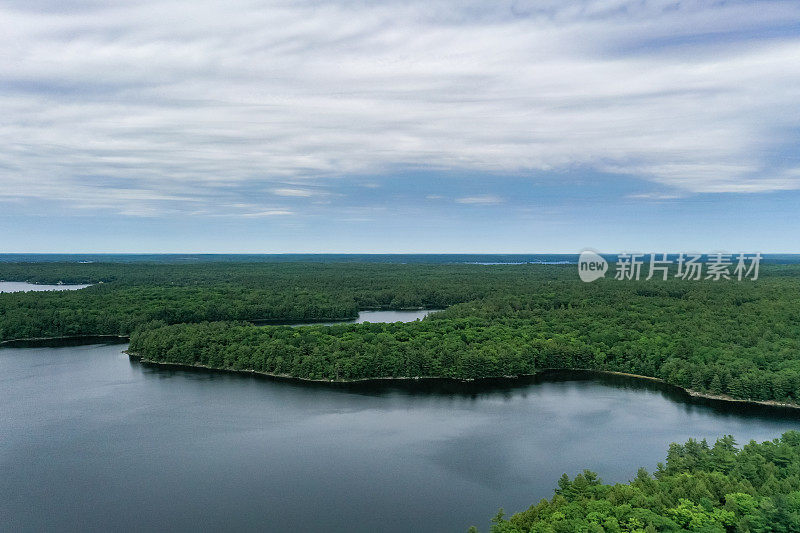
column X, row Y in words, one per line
column 92, row 441
column 402, row 315
column 22, row 286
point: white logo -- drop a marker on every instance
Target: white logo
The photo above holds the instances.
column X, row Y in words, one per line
column 591, row 266
column 688, row 266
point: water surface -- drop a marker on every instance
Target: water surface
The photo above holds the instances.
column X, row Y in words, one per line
column 23, row 286
column 91, row 441
column 402, row 315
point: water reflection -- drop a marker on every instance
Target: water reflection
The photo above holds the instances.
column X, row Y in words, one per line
column 183, row 449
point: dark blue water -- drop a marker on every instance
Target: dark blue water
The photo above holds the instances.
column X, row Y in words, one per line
column 487, row 259
column 91, row 441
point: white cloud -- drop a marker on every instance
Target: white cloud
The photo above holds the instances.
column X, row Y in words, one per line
column 269, row 213
column 653, row 196
column 484, row 199
column 302, row 193
column 169, row 104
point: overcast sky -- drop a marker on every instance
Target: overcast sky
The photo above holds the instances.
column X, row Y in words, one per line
column 399, row 126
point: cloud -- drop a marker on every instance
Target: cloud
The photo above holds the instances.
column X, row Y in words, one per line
column 485, row 199
column 302, row 193
column 113, row 104
column 653, row 196
column 268, row 213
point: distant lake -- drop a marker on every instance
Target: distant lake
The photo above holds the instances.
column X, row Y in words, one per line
column 91, row 441
column 22, row 286
column 404, row 315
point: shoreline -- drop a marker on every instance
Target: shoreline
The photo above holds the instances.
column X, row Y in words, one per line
column 251, row 372
column 690, row 393
column 65, row 338
column 255, row 322
column 697, row 394
column 693, row 394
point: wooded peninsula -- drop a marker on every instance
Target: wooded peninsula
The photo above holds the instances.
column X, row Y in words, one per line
column 738, row 339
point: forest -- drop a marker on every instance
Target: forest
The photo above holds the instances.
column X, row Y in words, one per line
column 130, row 296
column 740, row 339
column 715, row 488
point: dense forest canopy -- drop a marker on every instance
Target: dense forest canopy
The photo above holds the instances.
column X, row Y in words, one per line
column 127, row 296
column 736, row 338
column 706, row 488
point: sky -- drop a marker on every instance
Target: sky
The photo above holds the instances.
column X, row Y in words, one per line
column 510, row 126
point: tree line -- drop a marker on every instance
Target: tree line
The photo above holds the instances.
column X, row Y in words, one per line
column 740, row 339
column 735, row 339
column 715, row 488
